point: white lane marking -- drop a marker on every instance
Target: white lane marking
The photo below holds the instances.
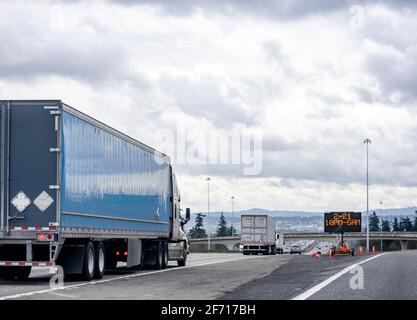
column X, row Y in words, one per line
column 307, row 294
column 76, row 286
column 64, row 295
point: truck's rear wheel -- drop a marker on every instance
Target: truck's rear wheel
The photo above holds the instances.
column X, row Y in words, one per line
column 100, row 259
column 88, row 263
column 159, row 252
column 182, row 263
column 15, row 273
column 165, row 256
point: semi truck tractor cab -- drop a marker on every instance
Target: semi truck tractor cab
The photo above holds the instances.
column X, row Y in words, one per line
column 279, row 243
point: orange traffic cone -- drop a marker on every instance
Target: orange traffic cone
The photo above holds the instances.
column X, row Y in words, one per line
column 360, row 251
column 373, row 250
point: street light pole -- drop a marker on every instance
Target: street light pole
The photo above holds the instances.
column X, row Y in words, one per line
column 381, row 203
column 367, row 142
column 233, row 230
column 208, row 212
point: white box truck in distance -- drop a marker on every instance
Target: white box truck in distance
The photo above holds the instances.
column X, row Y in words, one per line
column 258, row 234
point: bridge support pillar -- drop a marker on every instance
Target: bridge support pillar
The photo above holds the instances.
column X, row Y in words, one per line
column 404, row 244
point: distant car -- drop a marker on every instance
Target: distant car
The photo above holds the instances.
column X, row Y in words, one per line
column 296, row 249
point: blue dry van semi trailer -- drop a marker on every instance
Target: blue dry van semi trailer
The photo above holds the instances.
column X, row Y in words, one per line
column 78, row 194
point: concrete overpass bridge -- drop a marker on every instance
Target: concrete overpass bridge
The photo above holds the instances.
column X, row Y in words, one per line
column 232, row 243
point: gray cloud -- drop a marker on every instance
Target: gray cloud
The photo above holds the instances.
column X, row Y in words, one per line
column 36, row 49
column 331, row 154
column 91, row 60
column 363, row 94
column 211, row 98
column 395, row 71
column 282, row 9
column 277, row 143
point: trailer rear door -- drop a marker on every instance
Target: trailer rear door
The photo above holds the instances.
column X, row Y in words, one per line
column 30, row 157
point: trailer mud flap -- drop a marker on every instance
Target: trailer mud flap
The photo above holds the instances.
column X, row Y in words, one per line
column 134, row 249
column 70, row 259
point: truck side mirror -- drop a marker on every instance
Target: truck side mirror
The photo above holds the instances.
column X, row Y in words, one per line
column 187, row 217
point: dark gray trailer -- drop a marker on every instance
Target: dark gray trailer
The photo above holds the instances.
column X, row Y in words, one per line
column 82, row 195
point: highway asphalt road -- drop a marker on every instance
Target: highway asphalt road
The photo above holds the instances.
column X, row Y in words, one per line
column 389, row 277
column 234, row 276
column 206, row 276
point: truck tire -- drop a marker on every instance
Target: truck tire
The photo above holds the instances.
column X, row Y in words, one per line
column 100, row 258
column 159, row 252
column 165, row 255
column 245, row 253
column 16, row 273
column 182, row 263
column 88, row 263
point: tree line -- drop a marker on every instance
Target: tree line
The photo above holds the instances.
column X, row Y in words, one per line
column 397, row 225
column 223, row 230
column 403, row 224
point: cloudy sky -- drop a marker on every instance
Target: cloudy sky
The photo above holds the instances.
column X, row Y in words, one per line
column 314, row 78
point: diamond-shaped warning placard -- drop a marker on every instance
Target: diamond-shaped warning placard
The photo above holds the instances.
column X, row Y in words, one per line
column 43, row 201
column 20, row 201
